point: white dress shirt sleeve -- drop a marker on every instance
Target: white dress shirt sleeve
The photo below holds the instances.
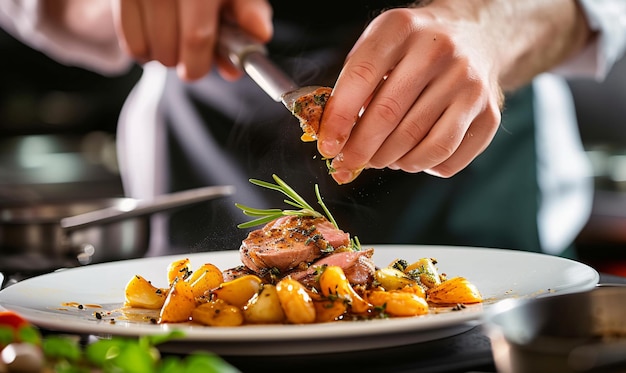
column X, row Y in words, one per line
column 23, row 20
column 608, row 19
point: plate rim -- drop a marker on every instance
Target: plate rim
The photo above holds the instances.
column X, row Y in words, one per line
column 296, row 333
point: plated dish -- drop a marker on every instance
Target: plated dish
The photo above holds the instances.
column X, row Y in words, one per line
column 52, row 301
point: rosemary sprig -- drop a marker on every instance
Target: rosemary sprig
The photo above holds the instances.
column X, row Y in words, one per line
column 303, row 208
column 264, row 216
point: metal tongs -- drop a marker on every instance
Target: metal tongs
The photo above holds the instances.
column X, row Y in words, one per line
column 250, row 55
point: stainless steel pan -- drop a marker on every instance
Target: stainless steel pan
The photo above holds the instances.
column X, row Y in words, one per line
column 577, row 332
column 86, row 231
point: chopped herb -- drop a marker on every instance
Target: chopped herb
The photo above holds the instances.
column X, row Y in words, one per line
column 329, row 165
column 400, row 265
column 320, row 99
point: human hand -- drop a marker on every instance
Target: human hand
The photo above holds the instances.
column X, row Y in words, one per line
column 418, row 92
column 183, row 33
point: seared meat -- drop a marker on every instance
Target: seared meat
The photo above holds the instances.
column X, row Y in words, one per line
column 236, row 272
column 289, row 242
column 308, row 109
column 358, row 267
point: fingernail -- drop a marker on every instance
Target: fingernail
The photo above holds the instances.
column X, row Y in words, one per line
column 345, row 176
column 329, row 148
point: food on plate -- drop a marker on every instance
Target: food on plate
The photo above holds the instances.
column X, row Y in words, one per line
column 298, row 268
column 308, row 109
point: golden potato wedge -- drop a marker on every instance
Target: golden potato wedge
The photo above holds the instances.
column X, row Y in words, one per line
column 178, row 269
column 217, row 313
column 393, row 279
column 205, row 278
column 179, row 303
column 264, row 307
column 333, row 283
column 327, row 310
column 426, row 271
column 295, row 301
column 238, row 291
column 454, row 290
column 398, row 303
column 416, row 289
column 140, row 293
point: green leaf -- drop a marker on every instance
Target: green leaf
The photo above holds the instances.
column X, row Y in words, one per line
column 162, row 338
column 102, row 350
column 171, row 364
column 204, row 362
column 264, row 216
column 29, row 334
column 60, row 347
column 134, row 359
column 64, row 366
column 7, row 335
column 259, row 221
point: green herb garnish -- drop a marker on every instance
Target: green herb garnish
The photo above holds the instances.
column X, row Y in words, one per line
column 263, row 216
column 63, row 353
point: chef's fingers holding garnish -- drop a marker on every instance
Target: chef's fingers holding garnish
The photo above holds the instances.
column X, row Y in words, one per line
column 183, row 33
column 415, row 94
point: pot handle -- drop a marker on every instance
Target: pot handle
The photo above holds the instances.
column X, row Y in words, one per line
column 137, row 207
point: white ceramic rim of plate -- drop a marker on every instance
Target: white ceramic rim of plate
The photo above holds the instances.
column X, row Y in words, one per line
column 579, row 277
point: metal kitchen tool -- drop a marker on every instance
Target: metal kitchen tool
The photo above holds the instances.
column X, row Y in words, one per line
column 250, row 56
column 574, row 332
column 46, row 236
column 136, row 208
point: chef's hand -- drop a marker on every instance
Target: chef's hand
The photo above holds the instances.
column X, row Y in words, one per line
column 430, row 95
column 183, row 33
column 421, row 89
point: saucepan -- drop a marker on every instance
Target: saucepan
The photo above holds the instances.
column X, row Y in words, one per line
column 87, row 231
column 574, row 332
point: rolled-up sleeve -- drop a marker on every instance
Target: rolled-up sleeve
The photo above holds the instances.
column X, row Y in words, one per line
column 608, row 19
column 24, row 20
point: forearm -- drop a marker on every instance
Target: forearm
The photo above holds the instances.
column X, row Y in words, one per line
column 525, row 37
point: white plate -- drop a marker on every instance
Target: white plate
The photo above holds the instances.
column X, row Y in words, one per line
column 498, row 274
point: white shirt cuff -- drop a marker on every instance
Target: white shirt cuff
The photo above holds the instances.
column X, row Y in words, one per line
column 608, row 18
column 23, row 19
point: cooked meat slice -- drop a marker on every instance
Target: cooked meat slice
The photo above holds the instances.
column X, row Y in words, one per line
column 236, row 272
column 358, row 267
column 290, row 241
column 308, row 109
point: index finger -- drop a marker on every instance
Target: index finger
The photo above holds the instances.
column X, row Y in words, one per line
column 363, row 71
column 198, row 32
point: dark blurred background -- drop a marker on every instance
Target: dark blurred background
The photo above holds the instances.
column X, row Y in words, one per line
column 601, row 111
column 57, row 127
column 57, row 141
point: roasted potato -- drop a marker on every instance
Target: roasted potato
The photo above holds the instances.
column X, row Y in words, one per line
column 178, row 269
column 327, row 310
column 217, row 313
column 398, row 303
column 205, row 278
column 295, row 301
column 454, row 290
column 264, row 307
column 238, row 291
column 333, row 283
column 426, row 271
column 141, row 293
column 179, row 303
column 393, row 279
